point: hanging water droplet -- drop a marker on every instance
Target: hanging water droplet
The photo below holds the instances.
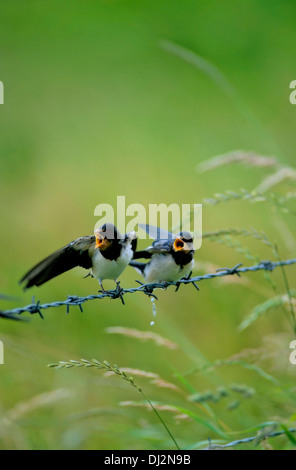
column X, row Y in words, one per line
column 152, row 323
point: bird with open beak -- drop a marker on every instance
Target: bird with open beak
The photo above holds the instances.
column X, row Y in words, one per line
column 171, row 258
column 106, row 253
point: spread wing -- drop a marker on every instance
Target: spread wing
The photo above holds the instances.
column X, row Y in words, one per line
column 77, row 253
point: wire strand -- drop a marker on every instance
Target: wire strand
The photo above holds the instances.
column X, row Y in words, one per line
column 147, row 289
column 247, row 440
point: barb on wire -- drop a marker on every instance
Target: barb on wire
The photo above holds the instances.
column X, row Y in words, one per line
column 147, row 289
column 258, row 438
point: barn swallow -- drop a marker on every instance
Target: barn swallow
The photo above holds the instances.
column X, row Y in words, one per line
column 171, row 256
column 107, row 253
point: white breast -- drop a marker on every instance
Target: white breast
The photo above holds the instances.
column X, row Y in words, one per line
column 110, row 269
column 163, row 268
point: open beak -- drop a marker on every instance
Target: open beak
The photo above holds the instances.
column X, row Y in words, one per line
column 101, row 242
column 180, row 245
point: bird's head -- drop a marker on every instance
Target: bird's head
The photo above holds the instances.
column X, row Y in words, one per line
column 106, row 236
column 183, row 243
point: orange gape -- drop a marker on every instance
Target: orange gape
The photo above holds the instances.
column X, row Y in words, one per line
column 178, row 244
column 101, row 242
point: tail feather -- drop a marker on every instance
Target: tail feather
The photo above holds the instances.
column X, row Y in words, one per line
column 140, row 267
column 142, row 254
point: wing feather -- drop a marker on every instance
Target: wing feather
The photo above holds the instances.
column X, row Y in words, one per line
column 77, row 253
column 157, row 233
column 162, row 242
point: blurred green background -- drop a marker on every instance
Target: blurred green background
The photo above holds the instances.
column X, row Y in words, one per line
column 95, row 107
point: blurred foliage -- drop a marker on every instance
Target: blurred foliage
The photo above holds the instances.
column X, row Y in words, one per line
column 96, row 107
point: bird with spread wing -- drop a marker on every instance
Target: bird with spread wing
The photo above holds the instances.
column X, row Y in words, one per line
column 106, row 253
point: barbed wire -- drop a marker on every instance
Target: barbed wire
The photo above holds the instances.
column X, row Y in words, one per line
column 257, row 439
column 147, row 289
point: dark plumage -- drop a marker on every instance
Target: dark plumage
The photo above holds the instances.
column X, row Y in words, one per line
column 106, row 253
column 171, row 258
column 77, row 253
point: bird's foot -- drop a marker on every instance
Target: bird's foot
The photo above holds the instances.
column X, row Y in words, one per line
column 102, row 290
column 118, row 293
column 118, row 288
